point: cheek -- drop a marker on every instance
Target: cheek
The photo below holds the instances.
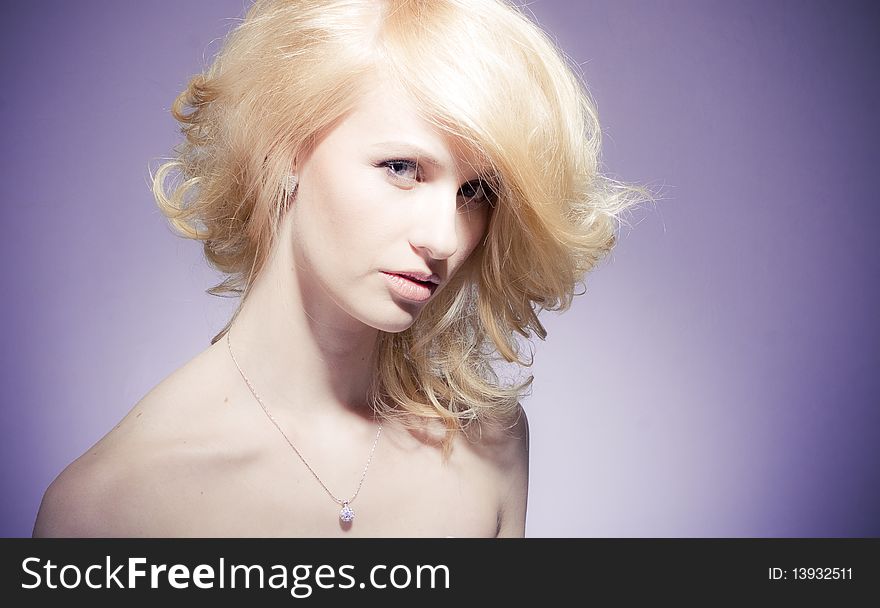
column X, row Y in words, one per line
column 347, row 228
column 471, row 235
column 320, row 231
column 336, row 213
column 474, row 228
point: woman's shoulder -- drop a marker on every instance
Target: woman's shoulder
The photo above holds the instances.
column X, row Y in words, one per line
column 84, row 499
column 504, row 446
column 514, row 471
column 504, row 450
column 116, row 487
column 95, row 494
column 515, row 481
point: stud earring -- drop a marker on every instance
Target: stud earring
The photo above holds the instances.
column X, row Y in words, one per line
column 291, row 182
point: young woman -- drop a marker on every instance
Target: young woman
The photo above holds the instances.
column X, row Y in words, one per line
column 394, row 189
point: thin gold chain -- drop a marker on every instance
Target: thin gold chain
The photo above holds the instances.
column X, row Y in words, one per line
column 301, row 457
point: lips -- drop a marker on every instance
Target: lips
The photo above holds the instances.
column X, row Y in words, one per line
column 412, row 278
column 409, row 288
column 418, row 275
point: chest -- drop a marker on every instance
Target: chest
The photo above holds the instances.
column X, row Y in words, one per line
column 276, row 495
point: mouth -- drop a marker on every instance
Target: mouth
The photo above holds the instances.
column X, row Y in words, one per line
column 410, row 288
column 415, row 279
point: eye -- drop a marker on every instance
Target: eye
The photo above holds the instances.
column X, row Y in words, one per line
column 404, row 169
column 478, row 193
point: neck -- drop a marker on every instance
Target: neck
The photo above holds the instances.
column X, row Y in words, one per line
column 301, row 354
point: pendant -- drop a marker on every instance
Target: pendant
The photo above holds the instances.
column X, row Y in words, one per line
column 346, row 514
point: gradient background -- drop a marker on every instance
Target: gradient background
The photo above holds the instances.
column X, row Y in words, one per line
column 719, row 378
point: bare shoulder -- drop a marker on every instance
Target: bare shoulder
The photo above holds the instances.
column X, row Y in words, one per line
column 84, row 499
column 506, row 451
column 112, row 489
column 118, row 486
column 515, row 479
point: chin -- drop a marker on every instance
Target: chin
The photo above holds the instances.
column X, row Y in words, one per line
column 395, row 327
column 392, row 322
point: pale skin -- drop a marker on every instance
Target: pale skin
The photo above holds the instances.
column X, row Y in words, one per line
column 197, row 456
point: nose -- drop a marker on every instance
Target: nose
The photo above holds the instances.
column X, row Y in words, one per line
column 436, row 223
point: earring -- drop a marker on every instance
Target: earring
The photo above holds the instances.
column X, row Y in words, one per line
column 291, row 182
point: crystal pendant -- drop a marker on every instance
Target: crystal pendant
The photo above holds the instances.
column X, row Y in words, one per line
column 346, row 514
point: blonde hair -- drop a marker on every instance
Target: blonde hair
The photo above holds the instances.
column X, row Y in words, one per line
column 479, row 70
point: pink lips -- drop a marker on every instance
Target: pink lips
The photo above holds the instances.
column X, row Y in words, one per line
column 408, row 288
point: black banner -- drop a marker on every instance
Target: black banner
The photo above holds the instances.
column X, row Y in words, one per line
column 275, row 572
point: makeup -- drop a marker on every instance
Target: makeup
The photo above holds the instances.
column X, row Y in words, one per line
column 410, row 289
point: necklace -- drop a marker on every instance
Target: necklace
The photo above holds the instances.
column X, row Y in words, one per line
column 346, row 514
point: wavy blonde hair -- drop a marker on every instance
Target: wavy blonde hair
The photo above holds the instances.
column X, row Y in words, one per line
column 479, row 70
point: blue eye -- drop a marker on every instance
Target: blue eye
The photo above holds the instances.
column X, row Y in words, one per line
column 476, row 192
column 399, row 168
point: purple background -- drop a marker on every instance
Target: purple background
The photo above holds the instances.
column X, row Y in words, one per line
column 718, row 379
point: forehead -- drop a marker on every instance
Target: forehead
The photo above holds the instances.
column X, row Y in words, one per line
column 385, row 119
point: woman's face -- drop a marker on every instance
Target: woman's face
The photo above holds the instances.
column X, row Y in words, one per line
column 385, row 193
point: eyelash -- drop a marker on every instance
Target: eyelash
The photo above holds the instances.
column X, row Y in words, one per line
column 488, row 193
